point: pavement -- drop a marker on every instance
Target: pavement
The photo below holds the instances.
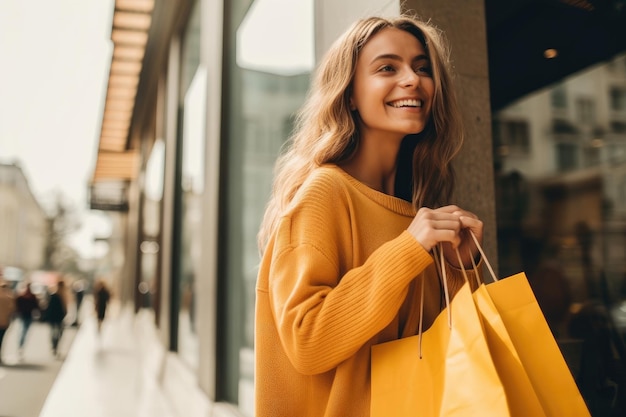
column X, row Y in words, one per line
column 112, row 373
column 25, row 381
column 121, row 371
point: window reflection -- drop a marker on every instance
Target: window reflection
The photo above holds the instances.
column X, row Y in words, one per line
column 285, row 48
column 149, row 247
column 269, row 78
column 560, row 166
column 191, row 187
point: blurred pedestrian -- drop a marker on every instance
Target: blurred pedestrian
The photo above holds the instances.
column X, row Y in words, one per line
column 7, row 309
column 102, row 295
column 55, row 313
column 27, row 303
column 79, row 291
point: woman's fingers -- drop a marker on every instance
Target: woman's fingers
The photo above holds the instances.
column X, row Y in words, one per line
column 473, row 224
column 447, row 224
column 430, row 227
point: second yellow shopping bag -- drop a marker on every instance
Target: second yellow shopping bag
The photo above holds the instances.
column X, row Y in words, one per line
column 446, row 371
column 521, row 396
column 523, row 333
column 538, row 351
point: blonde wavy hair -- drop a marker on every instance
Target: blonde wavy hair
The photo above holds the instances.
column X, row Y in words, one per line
column 326, row 131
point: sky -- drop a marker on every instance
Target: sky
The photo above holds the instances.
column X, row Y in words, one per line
column 54, row 62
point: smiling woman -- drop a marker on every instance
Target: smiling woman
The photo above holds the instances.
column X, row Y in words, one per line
column 392, row 94
column 345, row 243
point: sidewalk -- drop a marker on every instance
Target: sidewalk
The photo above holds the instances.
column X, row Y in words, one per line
column 112, row 374
column 25, row 382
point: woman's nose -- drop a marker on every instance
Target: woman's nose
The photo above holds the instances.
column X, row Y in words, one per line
column 411, row 79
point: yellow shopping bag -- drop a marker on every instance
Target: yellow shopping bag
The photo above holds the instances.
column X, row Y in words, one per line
column 444, row 371
column 521, row 396
column 538, row 351
column 520, row 329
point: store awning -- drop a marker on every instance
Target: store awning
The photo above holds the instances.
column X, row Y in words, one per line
column 129, row 33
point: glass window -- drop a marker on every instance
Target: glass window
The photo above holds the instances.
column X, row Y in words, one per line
column 567, row 154
column 559, row 97
column 511, row 137
column 517, row 136
column 190, row 174
column 618, row 99
column 565, row 228
column 618, row 127
column 563, row 127
column 585, row 110
column 593, row 153
column 268, row 76
column 149, row 246
column 616, row 153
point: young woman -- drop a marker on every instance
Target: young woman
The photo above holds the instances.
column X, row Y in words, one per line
column 360, row 198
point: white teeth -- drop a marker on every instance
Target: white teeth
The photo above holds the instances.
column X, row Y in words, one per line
column 407, row 103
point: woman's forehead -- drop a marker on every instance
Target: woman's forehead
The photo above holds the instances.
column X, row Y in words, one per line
column 392, row 41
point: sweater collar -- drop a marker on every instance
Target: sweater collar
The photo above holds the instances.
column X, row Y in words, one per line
column 390, row 202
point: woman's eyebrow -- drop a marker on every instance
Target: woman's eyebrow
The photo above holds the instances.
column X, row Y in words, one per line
column 396, row 57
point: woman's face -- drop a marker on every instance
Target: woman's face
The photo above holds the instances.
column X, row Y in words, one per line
column 393, row 87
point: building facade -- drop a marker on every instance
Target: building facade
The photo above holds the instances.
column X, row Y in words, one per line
column 23, row 223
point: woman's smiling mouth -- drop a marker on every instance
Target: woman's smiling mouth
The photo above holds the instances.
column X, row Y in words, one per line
column 406, row 103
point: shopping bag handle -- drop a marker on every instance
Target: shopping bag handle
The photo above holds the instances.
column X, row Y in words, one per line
column 440, row 263
column 444, row 274
column 482, row 253
column 474, row 266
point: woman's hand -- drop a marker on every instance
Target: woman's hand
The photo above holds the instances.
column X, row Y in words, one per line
column 450, row 225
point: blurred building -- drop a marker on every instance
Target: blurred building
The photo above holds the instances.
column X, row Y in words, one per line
column 201, row 96
column 23, row 224
column 563, row 150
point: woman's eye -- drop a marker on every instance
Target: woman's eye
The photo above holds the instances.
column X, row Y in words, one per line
column 386, row 68
column 424, row 70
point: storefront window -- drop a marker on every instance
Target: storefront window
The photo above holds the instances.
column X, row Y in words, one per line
column 268, row 76
column 562, row 220
column 191, row 159
column 149, row 246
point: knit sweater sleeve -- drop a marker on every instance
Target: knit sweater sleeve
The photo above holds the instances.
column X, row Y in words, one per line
column 323, row 314
column 322, row 320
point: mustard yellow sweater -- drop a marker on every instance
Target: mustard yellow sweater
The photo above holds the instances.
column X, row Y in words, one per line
column 339, row 275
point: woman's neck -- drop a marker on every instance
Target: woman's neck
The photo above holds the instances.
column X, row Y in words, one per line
column 374, row 163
